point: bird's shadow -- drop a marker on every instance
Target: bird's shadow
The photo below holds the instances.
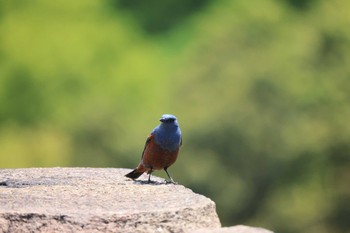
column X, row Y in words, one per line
column 152, row 182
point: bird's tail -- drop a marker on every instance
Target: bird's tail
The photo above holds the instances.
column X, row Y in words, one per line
column 136, row 173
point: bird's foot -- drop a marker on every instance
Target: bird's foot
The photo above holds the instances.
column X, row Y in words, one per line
column 171, row 181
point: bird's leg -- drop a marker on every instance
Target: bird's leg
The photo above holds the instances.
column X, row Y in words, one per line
column 170, row 181
column 149, row 175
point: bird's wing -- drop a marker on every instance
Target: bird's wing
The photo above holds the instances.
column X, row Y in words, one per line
column 148, row 141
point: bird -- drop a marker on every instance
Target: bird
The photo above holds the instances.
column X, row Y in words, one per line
column 161, row 149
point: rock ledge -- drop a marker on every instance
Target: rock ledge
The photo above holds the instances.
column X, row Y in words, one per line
column 102, row 200
column 97, row 200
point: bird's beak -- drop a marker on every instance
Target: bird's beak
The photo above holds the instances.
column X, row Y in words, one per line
column 161, row 119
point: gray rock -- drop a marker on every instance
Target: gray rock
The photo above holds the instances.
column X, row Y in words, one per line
column 97, row 200
column 234, row 229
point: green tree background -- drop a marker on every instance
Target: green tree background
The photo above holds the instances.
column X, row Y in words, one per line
column 261, row 90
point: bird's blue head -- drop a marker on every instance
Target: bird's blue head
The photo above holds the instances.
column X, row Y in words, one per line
column 168, row 133
column 168, row 118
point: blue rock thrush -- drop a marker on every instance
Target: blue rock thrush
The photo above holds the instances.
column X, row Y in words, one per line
column 161, row 148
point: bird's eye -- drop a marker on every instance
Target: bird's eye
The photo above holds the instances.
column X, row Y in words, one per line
column 168, row 120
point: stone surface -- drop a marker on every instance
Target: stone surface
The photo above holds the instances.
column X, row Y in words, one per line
column 234, row 229
column 97, row 200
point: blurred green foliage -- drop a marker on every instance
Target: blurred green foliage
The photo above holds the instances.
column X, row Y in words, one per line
column 261, row 90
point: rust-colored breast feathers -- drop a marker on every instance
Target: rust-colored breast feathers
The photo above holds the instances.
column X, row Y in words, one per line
column 156, row 158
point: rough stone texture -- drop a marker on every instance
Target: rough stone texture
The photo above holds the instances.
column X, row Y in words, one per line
column 97, row 200
column 234, row 229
